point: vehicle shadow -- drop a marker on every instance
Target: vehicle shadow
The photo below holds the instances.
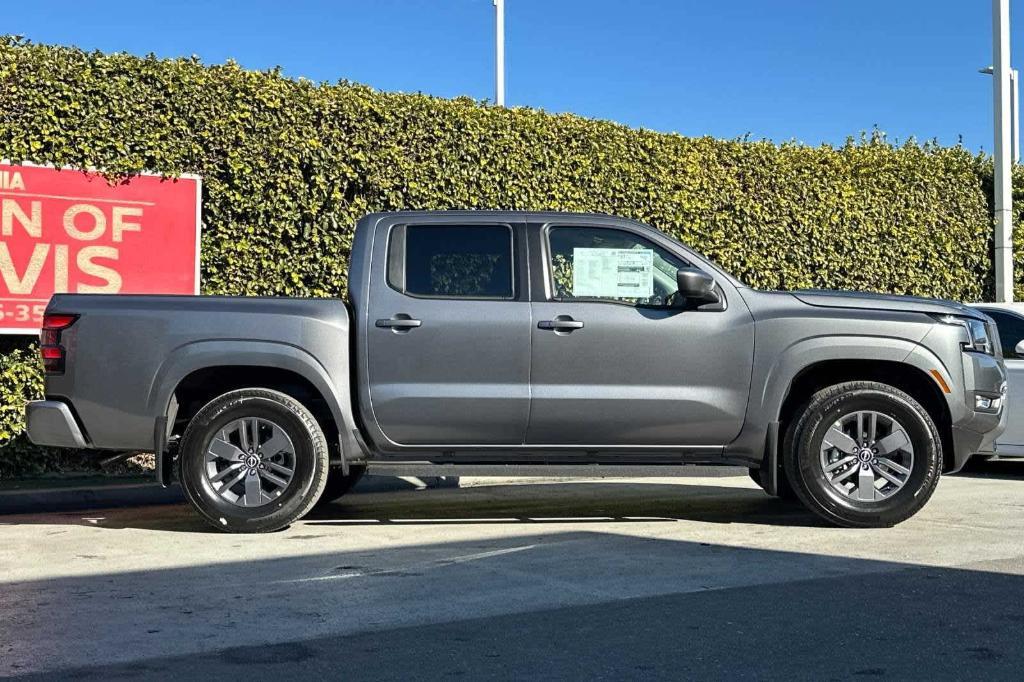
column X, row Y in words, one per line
column 578, row 502
column 1007, row 469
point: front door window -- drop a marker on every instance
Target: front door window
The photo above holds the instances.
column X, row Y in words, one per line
column 597, row 264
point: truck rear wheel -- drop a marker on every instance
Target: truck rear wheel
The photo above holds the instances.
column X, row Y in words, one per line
column 253, row 461
column 863, row 454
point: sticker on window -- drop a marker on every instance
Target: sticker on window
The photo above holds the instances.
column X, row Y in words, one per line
column 612, row 273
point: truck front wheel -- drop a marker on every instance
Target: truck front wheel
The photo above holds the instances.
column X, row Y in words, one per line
column 863, row 454
column 253, row 461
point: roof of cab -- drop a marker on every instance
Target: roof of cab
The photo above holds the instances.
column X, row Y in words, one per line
column 504, row 214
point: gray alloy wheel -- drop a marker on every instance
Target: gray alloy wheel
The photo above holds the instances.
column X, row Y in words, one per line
column 830, row 459
column 226, row 443
column 250, row 462
column 867, row 456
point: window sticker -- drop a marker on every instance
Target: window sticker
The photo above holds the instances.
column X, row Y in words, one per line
column 612, row 273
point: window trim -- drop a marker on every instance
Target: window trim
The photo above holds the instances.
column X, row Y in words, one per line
column 549, row 273
column 397, row 258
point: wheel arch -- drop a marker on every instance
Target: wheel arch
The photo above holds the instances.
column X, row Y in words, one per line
column 196, row 373
column 776, row 370
column 912, row 380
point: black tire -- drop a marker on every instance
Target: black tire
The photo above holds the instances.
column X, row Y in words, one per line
column 309, row 475
column 338, row 484
column 805, row 473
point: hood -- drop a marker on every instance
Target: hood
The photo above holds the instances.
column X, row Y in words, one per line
column 869, row 301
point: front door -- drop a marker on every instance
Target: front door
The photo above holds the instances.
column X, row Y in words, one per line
column 448, row 337
column 617, row 359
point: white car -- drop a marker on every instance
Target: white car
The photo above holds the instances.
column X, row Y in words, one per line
column 1009, row 319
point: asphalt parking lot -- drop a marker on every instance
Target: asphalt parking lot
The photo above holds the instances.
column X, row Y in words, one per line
column 608, row 579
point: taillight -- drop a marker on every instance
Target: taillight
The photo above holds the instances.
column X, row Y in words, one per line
column 50, row 348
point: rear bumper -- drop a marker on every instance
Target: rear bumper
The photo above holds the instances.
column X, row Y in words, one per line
column 51, row 423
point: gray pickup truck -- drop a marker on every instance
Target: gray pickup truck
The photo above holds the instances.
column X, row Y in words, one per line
column 515, row 338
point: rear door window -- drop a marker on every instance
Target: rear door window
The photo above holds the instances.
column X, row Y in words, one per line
column 454, row 261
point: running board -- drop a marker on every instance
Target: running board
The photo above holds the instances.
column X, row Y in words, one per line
column 427, row 469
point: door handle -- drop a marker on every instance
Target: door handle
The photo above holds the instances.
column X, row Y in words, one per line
column 560, row 324
column 399, row 323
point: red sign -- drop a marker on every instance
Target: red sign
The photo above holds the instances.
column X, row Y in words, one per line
column 70, row 231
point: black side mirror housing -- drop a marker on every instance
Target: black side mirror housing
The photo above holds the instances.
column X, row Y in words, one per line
column 696, row 285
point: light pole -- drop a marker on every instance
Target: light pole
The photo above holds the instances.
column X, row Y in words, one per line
column 499, row 52
column 1003, row 125
column 1014, row 109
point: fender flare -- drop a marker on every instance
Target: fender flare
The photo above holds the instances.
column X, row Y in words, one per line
column 756, row 446
column 806, row 353
column 204, row 354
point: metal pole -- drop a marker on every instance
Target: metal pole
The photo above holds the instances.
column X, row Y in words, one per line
column 1003, row 152
column 1015, row 107
column 499, row 52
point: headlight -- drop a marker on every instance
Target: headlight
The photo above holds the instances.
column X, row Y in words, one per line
column 977, row 332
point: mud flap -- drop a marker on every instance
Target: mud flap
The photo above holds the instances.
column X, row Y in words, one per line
column 770, row 468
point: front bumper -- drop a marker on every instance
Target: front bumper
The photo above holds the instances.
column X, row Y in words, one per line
column 51, row 424
column 976, row 431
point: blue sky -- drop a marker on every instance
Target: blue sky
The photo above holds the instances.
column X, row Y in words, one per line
column 810, row 70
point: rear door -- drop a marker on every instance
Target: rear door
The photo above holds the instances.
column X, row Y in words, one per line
column 617, row 360
column 448, row 334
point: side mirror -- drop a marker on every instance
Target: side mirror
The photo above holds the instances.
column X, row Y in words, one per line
column 1019, row 348
column 696, row 285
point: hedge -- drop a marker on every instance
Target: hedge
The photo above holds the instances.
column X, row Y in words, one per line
column 289, row 166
